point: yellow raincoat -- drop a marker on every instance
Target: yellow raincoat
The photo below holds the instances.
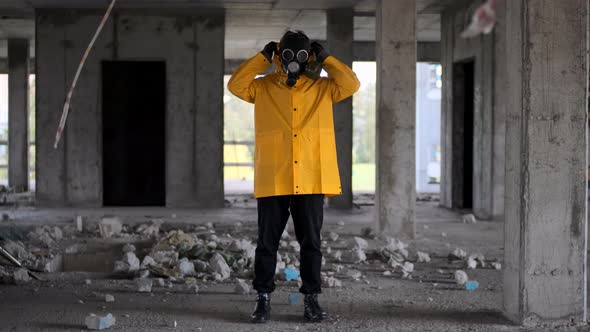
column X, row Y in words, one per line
column 295, row 149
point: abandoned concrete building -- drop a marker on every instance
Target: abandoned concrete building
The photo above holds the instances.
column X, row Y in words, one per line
column 459, row 154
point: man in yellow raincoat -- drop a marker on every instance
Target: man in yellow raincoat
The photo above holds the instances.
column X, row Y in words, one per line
column 295, row 163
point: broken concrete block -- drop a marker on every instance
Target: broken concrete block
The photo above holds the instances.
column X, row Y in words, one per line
column 357, row 255
column 423, row 257
column 359, row 243
column 337, row 255
column 128, row 248
column 144, row 285
column 458, row 253
column 469, row 219
column 79, row 224
column 333, row 236
column 147, row 261
column 497, row 266
column 132, row 261
column 242, row 287
column 295, row 246
column 21, row 276
column 186, row 267
column 461, row 277
column 110, row 227
column 217, row 264
column 152, row 229
column 166, row 257
column 407, row 269
column 94, row 322
column 471, row 263
column 109, row 298
column 387, row 273
column 354, row 274
column 17, row 250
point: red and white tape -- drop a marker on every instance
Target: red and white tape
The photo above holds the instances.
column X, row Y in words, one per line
column 66, row 109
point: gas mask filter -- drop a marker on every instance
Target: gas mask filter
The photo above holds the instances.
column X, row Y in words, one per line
column 294, row 55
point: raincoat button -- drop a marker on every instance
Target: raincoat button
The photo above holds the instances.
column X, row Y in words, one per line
column 295, row 135
column 296, row 161
column 294, row 109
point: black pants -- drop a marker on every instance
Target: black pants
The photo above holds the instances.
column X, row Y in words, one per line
column 308, row 216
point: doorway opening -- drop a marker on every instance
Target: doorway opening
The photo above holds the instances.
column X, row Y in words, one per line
column 133, row 121
column 463, row 108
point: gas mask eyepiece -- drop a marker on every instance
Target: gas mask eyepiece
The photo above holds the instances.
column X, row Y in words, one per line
column 294, row 50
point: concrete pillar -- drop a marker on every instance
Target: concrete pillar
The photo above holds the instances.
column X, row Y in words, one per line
column 340, row 35
column 545, row 189
column 18, row 114
column 209, row 59
column 396, row 117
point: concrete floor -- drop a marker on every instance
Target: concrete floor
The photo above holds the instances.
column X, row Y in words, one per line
column 376, row 303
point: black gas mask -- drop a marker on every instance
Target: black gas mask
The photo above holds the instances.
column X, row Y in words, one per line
column 294, row 50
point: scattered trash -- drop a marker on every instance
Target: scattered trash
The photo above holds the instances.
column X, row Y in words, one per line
column 242, row 287
column 294, row 298
column 110, row 227
column 144, row 285
column 461, row 277
column 471, row 263
column 458, row 254
column 407, row 270
column 109, row 298
column 471, row 285
column 291, row 274
column 469, row 219
column 94, row 322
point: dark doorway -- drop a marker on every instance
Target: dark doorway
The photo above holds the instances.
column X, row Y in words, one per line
column 133, row 120
column 463, row 109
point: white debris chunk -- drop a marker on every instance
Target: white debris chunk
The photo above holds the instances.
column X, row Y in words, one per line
column 217, row 264
column 295, row 246
column 387, row 273
column 337, row 255
column 358, row 242
column 144, row 285
column 357, row 255
column 469, row 219
column 333, row 236
column 147, row 261
column 242, row 287
column 354, row 274
column 186, row 267
column 209, row 225
column 109, row 298
column 340, row 223
column 94, row 322
column 407, row 269
column 423, row 257
column 21, row 276
column 110, row 226
column 497, row 266
column 459, row 253
column 132, row 261
column 151, row 229
column 471, row 263
column 285, row 236
column 443, row 234
column 79, row 224
column 461, row 277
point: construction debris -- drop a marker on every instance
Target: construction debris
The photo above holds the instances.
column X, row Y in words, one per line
column 109, row 298
column 128, row 248
column 423, row 257
column 144, row 285
column 359, row 243
column 94, row 322
column 333, row 236
column 497, row 266
column 151, row 230
column 217, row 264
column 469, row 219
column 458, row 254
column 21, row 276
column 242, row 287
column 186, row 267
column 368, row 232
column 461, row 277
column 354, row 274
column 331, row 282
column 110, row 227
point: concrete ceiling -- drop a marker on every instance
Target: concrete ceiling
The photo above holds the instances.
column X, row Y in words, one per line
column 250, row 24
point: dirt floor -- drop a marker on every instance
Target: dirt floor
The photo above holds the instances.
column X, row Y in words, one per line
column 430, row 301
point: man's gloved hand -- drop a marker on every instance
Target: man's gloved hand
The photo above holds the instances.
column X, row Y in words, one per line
column 268, row 50
column 319, row 51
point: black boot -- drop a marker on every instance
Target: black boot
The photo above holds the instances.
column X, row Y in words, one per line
column 313, row 312
column 261, row 313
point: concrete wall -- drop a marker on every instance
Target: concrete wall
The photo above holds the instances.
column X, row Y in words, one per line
column 455, row 49
column 190, row 43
